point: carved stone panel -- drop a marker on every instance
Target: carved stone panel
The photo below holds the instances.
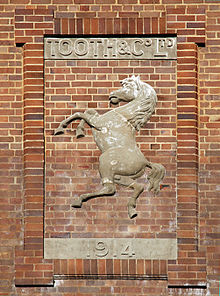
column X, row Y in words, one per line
column 106, row 248
column 110, row 48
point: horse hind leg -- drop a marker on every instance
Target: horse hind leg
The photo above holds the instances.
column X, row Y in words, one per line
column 107, row 174
column 137, row 190
column 107, row 189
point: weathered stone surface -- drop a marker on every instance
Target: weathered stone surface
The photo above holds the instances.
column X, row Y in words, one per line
column 110, row 248
column 110, row 48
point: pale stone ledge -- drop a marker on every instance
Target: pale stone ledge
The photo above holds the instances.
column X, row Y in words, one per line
column 110, row 248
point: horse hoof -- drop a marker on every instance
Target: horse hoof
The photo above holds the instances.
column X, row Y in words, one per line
column 59, row 131
column 132, row 213
column 155, row 188
column 156, row 191
column 77, row 203
column 80, row 133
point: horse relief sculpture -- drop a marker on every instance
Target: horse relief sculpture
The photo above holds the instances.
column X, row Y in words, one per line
column 121, row 161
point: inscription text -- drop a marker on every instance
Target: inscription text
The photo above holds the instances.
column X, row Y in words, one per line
column 110, row 48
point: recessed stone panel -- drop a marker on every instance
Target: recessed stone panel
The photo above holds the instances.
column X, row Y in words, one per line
column 110, row 48
column 110, row 248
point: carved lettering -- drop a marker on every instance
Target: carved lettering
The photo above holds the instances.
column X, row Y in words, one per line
column 160, row 48
column 101, row 249
column 134, row 47
column 110, row 48
column 128, row 251
column 132, row 248
column 65, row 47
column 123, row 47
column 170, row 43
column 161, row 43
column 51, row 46
column 95, row 48
column 81, row 47
column 148, row 42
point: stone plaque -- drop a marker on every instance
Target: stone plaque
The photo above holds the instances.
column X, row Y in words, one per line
column 110, row 248
column 143, row 48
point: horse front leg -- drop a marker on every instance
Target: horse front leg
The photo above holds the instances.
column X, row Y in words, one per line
column 65, row 123
column 87, row 117
column 80, row 130
column 60, row 129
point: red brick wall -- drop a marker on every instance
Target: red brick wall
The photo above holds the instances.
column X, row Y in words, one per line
column 72, row 165
column 187, row 115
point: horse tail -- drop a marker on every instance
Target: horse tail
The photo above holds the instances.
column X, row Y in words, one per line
column 155, row 177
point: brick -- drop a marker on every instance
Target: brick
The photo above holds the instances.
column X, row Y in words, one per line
column 19, row 1
column 84, row 2
column 150, row 2
column 147, row 26
column 116, row 266
column 127, row 2
column 196, row 25
column 57, row 26
column 196, row 10
column 94, row 267
column 180, row 10
column 79, row 26
column 41, row 1
column 148, row 267
column 106, row 2
column 23, row 25
column 109, row 266
column 129, row 15
column 124, row 25
column 62, row 2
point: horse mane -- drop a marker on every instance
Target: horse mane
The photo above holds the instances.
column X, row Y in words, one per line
column 146, row 100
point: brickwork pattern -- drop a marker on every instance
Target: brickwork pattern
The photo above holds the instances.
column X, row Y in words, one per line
column 72, row 86
column 22, row 26
column 72, row 165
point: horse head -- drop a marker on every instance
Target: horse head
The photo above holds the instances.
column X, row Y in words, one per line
column 128, row 92
column 143, row 96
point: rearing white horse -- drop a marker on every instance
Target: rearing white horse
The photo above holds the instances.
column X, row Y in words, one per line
column 121, row 161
